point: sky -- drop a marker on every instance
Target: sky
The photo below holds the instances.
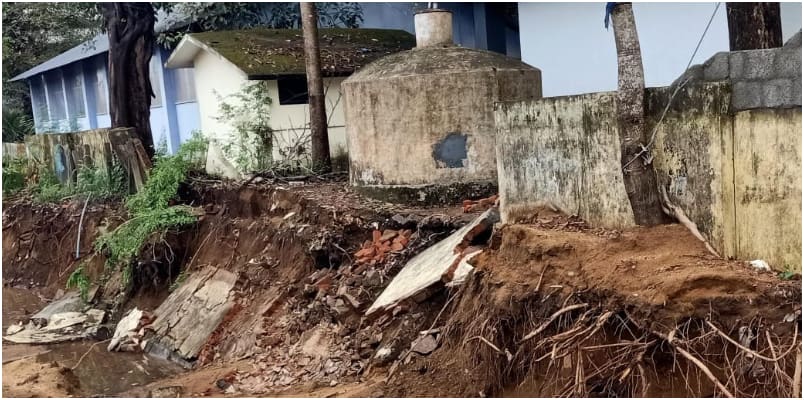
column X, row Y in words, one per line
column 576, row 54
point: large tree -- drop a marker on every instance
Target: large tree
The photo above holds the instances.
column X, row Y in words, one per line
column 638, row 173
column 315, row 88
column 754, row 26
column 130, row 27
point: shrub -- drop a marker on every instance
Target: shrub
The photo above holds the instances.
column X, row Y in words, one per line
column 14, row 172
column 150, row 208
column 97, row 183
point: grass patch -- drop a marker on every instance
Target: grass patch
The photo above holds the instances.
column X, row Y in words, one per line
column 97, row 183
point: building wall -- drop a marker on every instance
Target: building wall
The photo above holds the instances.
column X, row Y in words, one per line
column 187, row 119
column 290, row 121
column 218, row 79
column 160, row 117
column 170, row 123
column 576, row 54
column 737, row 176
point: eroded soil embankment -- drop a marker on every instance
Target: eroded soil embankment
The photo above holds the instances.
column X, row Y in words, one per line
column 558, row 309
column 39, row 240
column 554, row 308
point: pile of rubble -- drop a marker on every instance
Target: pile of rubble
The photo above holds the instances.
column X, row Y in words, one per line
column 64, row 320
column 382, row 243
column 130, row 331
column 352, row 319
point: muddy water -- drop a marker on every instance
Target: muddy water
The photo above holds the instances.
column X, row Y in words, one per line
column 99, row 372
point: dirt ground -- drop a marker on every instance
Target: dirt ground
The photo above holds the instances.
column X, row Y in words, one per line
column 554, row 307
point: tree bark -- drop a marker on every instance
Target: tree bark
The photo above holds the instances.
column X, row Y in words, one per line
column 315, row 89
column 638, row 174
column 131, row 42
column 754, row 26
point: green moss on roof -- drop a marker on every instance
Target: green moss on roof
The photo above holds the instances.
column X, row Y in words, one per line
column 269, row 53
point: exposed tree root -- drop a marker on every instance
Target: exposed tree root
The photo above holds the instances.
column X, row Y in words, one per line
column 676, row 212
column 593, row 349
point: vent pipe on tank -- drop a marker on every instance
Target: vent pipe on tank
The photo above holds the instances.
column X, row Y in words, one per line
column 433, row 28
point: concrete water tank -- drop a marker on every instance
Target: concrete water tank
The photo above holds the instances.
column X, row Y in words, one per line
column 420, row 123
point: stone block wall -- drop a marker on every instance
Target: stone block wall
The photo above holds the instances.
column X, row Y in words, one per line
column 760, row 78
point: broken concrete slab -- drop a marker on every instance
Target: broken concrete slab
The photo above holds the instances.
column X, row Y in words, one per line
column 431, row 265
column 58, row 328
column 186, row 319
column 125, row 328
column 464, row 268
column 70, row 302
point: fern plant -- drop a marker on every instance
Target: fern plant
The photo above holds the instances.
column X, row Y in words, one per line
column 16, row 126
column 78, row 279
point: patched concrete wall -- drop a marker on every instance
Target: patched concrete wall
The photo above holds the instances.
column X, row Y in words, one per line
column 768, row 78
column 561, row 151
column 736, row 175
column 692, row 156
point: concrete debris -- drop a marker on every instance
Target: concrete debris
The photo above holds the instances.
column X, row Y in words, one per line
column 384, row 355
column 187, row 318
column 70, row 302
column 57, row 327
column 431, row 265
column 167, row 392
column 760, row 265
column 130, row 330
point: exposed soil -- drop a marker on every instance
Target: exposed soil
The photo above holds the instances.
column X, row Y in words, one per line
column 39, row 240
column 551, row 304
column 297, row 328
column 26, row 378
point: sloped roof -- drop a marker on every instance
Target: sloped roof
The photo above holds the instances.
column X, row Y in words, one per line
column 97, row 45
column 270, row 53
column 100, row 43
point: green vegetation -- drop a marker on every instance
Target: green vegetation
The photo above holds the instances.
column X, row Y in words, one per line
column 788, row 273
column 249, row 113
column 79, row 280
column 280, row 51
column 48, row 189
column 150, row 209
column 97, row 183
column 179, row 280
column 14, row 173
column 225, row 16
column 16, row 126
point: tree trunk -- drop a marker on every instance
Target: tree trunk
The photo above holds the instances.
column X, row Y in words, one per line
column 754, row 26
column 638, row 174
column 315, row 89
column 131, row 42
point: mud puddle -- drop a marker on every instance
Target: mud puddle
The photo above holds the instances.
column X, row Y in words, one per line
column 82, row 368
